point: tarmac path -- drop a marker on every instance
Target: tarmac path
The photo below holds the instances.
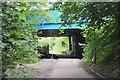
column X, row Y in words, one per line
column 61, row 68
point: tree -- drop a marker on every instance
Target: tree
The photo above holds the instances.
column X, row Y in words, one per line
column 102, row 31
column 18, row 44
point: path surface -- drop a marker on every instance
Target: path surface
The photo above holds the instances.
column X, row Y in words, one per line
column 61, row 68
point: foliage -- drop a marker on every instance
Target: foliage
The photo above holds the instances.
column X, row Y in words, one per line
column 22, row 72
column 60, row 44
column 18, row 44
column 102, row 31
column 43, row 47
column 43, row 41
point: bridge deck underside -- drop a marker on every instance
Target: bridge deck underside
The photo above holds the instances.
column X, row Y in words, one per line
column 57, row 33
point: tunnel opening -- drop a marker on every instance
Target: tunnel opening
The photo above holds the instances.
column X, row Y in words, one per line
column 56, row 45
column 71, row 48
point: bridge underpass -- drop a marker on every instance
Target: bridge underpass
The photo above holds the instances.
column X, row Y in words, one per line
column 70, row 66
column 65, row 67
column 75, row 39
column 52, row 29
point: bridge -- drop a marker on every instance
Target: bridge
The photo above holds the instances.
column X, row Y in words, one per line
column 75, row 38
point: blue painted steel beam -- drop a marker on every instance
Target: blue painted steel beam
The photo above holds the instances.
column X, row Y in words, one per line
column 45, row 26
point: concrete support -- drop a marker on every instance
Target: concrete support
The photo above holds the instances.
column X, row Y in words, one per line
column 70, row 45
column 75, row 46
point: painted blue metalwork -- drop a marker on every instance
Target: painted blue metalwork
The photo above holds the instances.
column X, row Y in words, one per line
column 56, row 26
column 55, row 23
